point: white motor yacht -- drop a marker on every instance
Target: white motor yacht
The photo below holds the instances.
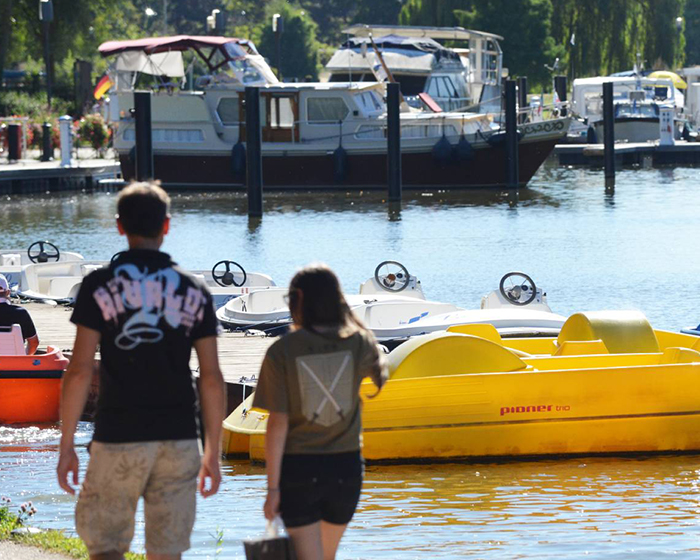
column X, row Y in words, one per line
column 314, row 135
column 636, row 104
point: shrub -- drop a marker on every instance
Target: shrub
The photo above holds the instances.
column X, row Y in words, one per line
column 93, row 131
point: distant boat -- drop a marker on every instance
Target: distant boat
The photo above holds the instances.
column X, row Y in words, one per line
column 636, row 103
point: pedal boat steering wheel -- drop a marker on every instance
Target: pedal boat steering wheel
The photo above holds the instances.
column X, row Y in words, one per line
column 43, row 256
column 392, row 276
column 228, row 278
column 518, row 288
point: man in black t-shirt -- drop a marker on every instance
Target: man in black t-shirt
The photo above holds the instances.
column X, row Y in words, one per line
column 146, row 314
column 16, row 315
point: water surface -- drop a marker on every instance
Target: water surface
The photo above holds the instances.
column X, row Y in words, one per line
column 634, row 249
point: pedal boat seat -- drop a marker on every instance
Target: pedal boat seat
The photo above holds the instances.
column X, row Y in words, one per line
column 618, row 332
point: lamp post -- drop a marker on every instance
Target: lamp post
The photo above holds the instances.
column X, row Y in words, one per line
column 148, row 14
column 46, row 17
column 278, row 29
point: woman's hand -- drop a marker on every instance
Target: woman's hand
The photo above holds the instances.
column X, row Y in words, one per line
column 272, row 504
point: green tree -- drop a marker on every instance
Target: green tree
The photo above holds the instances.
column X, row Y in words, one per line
column 298, row 44
column 692, row 23
column 433, row 12
column 525, row 26
column 5, row 34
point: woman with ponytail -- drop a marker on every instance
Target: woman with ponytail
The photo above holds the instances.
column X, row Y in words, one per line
column 309, row 382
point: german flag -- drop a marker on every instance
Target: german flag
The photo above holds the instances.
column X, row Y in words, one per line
column 102, row 87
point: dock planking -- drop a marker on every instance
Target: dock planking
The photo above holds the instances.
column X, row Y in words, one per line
column 239, row 355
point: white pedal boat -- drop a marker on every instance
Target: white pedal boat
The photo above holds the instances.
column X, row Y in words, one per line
column 391, row 283
column 60, row 281
column 39, row 252
column 517, row 309
column 57, row 282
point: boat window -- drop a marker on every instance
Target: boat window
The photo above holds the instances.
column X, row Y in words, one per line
column 449, row 88
column 228, row 111
column 170, row 135
column 370, row 102
column 324, row 110
column 281, row 112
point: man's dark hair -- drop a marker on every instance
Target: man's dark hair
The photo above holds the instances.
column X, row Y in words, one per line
column 142, row 209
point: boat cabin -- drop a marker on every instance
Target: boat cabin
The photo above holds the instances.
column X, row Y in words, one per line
column 455, row 78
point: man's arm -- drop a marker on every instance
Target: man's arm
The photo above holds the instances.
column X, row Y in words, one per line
column 74, row 393
column 213, row 399
column 32, row 344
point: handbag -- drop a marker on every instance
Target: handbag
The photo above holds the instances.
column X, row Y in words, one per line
column 272, row 546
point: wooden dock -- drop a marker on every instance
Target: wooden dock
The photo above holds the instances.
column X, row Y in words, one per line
column 630, row 153
column 31, row 176
column 240, row 356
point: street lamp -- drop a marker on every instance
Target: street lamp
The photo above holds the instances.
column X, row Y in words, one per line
column 278, row 29
column 46, row 17
column 149, row 13
column 679, row 24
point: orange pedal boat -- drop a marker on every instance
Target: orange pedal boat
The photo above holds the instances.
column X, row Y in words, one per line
column 30, row 386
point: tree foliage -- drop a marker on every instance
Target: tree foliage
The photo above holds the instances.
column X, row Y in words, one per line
column 525, row 26
column 298, row 44
column 607, row 34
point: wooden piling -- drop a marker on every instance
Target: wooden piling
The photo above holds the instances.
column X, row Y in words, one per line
column 608, row 133
column 144, row 136
column 512, row 166
column 254, row 177
column 561, row 87
column 522, row 99
column 394, row 141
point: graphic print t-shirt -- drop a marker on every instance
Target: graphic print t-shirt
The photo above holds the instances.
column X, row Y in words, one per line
column 148, row 312
column 315, row 379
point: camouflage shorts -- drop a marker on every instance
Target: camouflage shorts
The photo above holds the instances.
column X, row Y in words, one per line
column 163, row 472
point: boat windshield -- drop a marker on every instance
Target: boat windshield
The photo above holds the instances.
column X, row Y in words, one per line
column 636, row 110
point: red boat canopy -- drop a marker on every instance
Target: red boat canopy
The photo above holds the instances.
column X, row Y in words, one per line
column 153, row 45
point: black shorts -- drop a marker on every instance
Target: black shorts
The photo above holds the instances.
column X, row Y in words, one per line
column 320, row 487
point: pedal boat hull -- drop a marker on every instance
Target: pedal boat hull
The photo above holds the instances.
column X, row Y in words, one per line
column 30, row 387
column 457, row 396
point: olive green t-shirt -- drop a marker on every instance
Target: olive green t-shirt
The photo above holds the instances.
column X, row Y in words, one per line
column 315, row 378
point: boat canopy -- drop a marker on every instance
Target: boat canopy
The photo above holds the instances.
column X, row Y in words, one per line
column 233, row 59
column 456, row 33
column 151, row 45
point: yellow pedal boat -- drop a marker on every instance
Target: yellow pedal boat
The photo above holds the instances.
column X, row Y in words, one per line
column 608, row 384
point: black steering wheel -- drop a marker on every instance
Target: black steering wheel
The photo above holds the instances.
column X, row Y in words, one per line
column 392, row 276
column 228, row 278
column 518, row 288
column 42, row 256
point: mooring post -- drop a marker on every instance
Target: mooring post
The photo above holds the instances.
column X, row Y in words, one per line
column 65, row 125
column 608, row 134
column 560, row 87
column 254, row 175
column 512, row 168
column 393, row 138
column 14, row 142
column 46, row 145
column 144, row 136
column 522, row 99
